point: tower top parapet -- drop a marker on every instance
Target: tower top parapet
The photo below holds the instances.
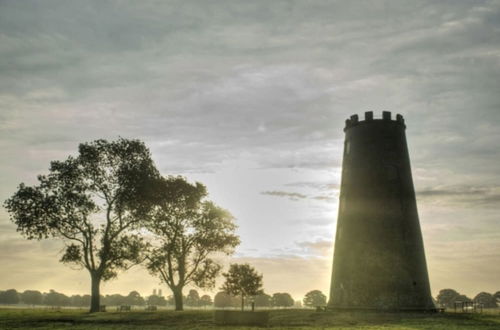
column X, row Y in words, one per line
column 386, row 117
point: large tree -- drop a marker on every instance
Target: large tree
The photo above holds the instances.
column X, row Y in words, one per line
column 94, row 202
column 242, row 280
column 188, row 230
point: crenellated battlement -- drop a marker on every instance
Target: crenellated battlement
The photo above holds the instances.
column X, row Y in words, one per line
column 386, row 116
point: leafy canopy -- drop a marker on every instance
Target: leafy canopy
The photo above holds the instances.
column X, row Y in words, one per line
column 314, row 298
column 242, row 280
column 94, row 202
column 188, row 232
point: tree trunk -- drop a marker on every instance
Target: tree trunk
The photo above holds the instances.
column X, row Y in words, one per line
column 178, row 299
column 242, row 302
column 95, row 300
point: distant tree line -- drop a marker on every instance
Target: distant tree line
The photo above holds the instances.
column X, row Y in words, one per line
column 447, row 298
column 192, row 299
column 224, row 300
column 54, row 298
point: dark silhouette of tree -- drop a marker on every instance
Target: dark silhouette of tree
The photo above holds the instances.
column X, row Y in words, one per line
column 193, row 298
column 134, row 299
column 54, row 298
column 282, row 300
column 242, row 280
column 205, row 300
column 10, row 296
column 31, row 297
column 487, row 299
column 314, row 298
column 263, row 300
column 189, row 230
column 94, row 202
column 156, row 300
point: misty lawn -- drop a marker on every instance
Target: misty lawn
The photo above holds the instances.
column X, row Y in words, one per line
column 278, row 319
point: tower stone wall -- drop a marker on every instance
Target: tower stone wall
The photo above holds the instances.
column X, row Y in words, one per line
column 379, row 259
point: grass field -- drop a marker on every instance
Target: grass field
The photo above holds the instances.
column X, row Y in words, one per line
column 279, row 319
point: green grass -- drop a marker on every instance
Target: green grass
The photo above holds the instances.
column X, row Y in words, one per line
column 279, row 319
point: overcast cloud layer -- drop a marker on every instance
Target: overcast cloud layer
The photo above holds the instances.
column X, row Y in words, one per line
column 250, row 98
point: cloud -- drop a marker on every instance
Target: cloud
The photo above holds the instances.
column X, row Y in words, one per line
column 321, row 248
column 326, row 198
column 334, row 186
column 291, row 195
column 295, row 196
column 464, row 196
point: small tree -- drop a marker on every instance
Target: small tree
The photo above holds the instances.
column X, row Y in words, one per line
column 486, row 299
column 134, row 299
column 314, row 298
column 94, row 203
column 155, row 300
column 188, row 230
column 80, row 301
column 282, row 300
column 115, row 300
column 447, row 297
column 263, row 300
column 222, row 300
column 54, row 298
column 10, row 296
column 205, row 300
column 242, row 280
column 193, row 298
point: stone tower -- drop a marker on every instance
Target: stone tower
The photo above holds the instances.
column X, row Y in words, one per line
column 379, row 260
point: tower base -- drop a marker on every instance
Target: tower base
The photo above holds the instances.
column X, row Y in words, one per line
column 379, row 310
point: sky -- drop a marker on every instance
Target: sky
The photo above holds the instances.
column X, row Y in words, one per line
column 250, row 98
